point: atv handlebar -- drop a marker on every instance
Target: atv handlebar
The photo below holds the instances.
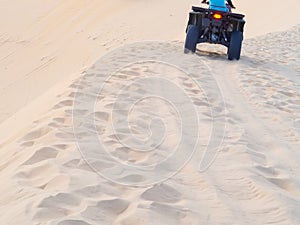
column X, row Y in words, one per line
column 207, row 3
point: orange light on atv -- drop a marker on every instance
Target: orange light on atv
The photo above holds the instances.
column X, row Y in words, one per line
column 217, row 16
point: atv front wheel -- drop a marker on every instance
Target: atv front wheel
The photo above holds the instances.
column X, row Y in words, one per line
column 234, row 49
column 191, row 39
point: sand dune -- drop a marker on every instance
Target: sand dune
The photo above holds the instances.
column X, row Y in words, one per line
column 236, row 124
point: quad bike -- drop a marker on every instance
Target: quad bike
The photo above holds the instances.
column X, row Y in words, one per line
column 216, row 27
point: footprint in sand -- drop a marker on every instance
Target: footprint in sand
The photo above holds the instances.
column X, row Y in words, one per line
column 64, row 103
column 60, row 200
column 105, row 211
column 57, row 206
column 42, row 154
column 162, row 193
column 36, row 134
column 73, row 222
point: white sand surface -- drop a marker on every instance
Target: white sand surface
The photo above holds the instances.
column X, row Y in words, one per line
column 236, row 125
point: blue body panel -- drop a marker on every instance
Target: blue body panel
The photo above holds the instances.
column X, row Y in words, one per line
column 218, row 5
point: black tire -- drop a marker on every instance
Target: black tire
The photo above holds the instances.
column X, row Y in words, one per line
column 234, row 50
column 191, row 39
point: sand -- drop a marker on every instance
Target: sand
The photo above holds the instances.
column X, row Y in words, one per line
column 207, row 141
